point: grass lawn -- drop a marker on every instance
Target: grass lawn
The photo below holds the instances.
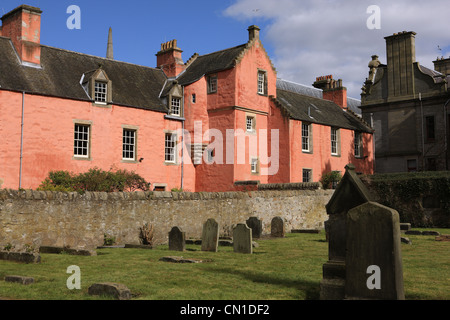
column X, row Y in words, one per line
column 279, row 269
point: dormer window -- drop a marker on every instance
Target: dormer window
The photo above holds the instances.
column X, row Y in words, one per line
column 175, row 109
column 97, row 86
column 100, row 92
column 174, row 100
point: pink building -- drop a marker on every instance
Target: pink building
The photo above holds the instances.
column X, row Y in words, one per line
column 200, row 125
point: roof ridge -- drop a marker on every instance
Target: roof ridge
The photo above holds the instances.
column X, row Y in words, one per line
column 103, row 58
column 235, row 47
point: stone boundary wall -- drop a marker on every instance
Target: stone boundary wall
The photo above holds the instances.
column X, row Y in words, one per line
column 45, row 218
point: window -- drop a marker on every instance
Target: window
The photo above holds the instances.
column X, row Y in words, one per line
column 262, row 82
column 251, row 124
column 81, row 141
column 430, row 128
column 100, row 92
column 306, row 137
column 212, row 84
column 255, row 166
column 411, row 165
column 334, row 141
column 129, row 145
column 358, row 145
column 307, row 175
column 170, row 148
column 175, row 109
column 194, row 98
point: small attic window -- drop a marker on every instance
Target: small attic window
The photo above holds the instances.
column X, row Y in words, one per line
column 97, row 86
column 100, row 92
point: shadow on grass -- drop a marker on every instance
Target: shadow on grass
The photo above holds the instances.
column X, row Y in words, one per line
column 311, row 289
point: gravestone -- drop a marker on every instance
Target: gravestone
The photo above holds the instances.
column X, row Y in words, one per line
column 242, row 239
column 210, row 236
column 277, row 227
column 256, row 225
column 177, row 239
column 116, row 290
column 373, row 258
column 350, row 193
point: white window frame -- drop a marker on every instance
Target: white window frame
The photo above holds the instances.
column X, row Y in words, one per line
column 212, row 84
column 250, row 124
column 334, row 141
column 82, row 141
column 262, row 82
column 254, row 165
column 306, row 137
column 129, row 144
column 170, row 148
column 175, row 107
column 100, row 92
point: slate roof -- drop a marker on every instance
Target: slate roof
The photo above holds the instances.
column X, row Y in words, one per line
column 352, row 103
column 210, row 63
column 62, row 70
column 311, row 109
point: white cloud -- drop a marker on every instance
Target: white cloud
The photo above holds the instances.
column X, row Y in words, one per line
column 311, row 38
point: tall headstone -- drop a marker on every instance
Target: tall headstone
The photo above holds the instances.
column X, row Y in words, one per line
column 373, row 260
column 350, row 193
column 177, row 239
column 210, row 236
column 277, row 227
column 256, row 225
column 242, row 239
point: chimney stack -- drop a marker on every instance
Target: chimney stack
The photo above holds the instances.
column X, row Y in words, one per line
column 332, row 90
column 401, row 56
column 23, row 26
column 442, row 65
column 253, row 33
column 169, row 59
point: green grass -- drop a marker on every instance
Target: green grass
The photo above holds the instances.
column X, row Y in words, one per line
column 281, row 269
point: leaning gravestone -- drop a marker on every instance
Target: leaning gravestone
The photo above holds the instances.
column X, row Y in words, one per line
column 373, row 258
column 177, row 239
column 256, row 225
column 210, row 236
column 350, row 193
column 242, row 239
column 277, row 227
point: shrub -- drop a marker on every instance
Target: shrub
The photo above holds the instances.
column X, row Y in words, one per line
column 331, row 179
column 95, row 180
column 146, row 234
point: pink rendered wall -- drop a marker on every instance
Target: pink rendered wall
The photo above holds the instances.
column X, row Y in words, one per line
column 49, row 139
column 320, row 160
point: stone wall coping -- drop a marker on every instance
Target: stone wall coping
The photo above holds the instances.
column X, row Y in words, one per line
column 269, row 191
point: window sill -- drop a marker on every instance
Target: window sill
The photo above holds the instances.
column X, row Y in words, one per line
column 101, row 104
column 170, row 164
column 81, row 158
column 307, row 152
column 130, row 161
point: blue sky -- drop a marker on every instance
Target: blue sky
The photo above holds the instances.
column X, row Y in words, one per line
column 304, row 38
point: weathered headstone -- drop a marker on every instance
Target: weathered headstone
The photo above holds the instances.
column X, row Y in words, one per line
column 210, row 236
column 256, row 225
column 350, row 193
column 19, row 279
column 242, row 239
column 277, row 227
column 373, row 260
column 116, row 290
column 177, row 239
